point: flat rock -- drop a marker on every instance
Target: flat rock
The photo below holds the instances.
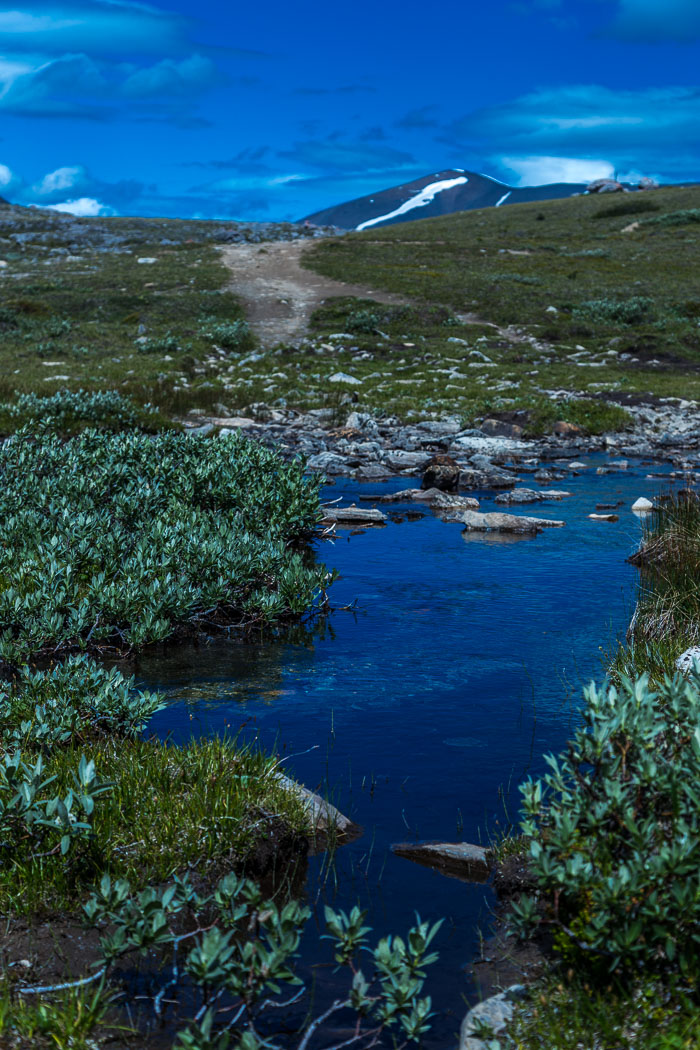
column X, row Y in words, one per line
column 352, row 516
column 433, row 497
column 495, row 1012
column 461, row 860
column 604, row 517
column 397, row 459
column 233, row 422
column 498, row 522
column 320, row 814
column 329, row 463
column 486, row 479
column 530, row 495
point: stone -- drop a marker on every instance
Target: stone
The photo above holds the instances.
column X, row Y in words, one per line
column 499, row 428
column 604, row 517
column 363, row 422
column 495, row 1013
column 400, row 460
column 352, row 516
column 459, row 859
column 233, row 422
column 343, row 377
column 563, row 429
column 329, row 463
column 146, row 260
column 495, row 521
column 530, row 495
column 372, row 472
column 642, row 505
column 605, row 186
column 320, row 814
column 442, row 472
column 480, row 479
column 687, row 660
column 434, row 497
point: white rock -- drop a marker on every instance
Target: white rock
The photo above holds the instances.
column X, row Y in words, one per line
column 551, row 310
column 147, row 259
column 642, row 504
column 686, row 660
column 343, row 377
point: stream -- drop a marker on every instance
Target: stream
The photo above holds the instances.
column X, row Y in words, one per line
column 419, row 708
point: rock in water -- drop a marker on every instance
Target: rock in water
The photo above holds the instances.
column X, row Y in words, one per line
column 459, row 859
column 530, row 495
column 352, row 516
column 497, row 522
column 442, row 472
column 604, row 517
column 642, row 505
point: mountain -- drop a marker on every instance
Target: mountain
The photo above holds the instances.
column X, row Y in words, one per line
column 439, row 193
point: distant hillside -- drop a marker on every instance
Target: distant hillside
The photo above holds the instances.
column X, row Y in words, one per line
column 439, row 193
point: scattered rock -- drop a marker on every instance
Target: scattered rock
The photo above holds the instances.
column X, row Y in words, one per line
column 433, row 497
column 605, row 186
column 495, row 1013
column 329, row 463
column 461, row 860
column 688, row 659
column 147, row 260
column 498, row 522
column 352, row 516
column 400, row 460
column 604, row 517
column 343, row 377
column 499, row 428
column 563, row 429
column 442, row 472
column 642, row 505
column 530, row 495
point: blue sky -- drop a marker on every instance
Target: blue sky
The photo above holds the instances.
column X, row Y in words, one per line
column 274, row 110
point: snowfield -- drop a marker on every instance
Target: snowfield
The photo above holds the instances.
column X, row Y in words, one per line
column 425, row 196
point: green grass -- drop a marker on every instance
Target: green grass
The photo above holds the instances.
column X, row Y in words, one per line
column 171, row 809
column 70, row 1019
column 666, row 621
column 566, row 1013
column 589, row 309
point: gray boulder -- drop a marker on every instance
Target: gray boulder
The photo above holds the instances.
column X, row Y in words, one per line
column 459, row 859
column 530, row 495
column 498, row 522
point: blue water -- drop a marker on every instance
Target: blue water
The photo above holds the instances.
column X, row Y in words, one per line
column 420, row 708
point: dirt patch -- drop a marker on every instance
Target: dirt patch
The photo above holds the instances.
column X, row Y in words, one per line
column 279, row 296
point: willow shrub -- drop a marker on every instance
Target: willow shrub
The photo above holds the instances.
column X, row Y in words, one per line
column 614, row 831
column 116, row 539
column 70, row 411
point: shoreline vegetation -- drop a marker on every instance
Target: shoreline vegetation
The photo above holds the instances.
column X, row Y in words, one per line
column 120, row 531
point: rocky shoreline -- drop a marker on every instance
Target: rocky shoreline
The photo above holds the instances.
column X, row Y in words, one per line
column 493, row 456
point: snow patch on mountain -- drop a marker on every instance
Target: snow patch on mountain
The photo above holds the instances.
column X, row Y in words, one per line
column 503, row 199
column 423, row 197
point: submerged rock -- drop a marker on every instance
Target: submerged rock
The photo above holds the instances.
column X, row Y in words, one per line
column 530, row 495
column 498, row 522
column 352, row 516
column 459, row 859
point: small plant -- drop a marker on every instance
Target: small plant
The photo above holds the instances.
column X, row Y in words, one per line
column 239, row 963
column 230, row 335
column 636, row 205
column 683, row 217
column 614, row 831
column 636, row 309
column 69, row 410
column 164, row 344
column 365, row 322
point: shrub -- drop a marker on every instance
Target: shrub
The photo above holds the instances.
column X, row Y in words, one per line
column 242, row 963
column 113, row 540
column 683, row 217
column 634, row 310
column 632, row 206
column 68, row 411
column 162, row 344
column 363, row 321
column 230, row 335
column 614, row 830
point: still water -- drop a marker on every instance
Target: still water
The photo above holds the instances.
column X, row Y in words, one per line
column 451, row 663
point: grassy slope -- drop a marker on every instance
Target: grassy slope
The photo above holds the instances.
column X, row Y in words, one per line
column 508, row 266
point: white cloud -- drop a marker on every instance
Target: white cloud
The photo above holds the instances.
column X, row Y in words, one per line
column 83, row 207
column 537, row 171
column 60, row 180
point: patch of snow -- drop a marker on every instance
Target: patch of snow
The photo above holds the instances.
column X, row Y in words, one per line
column 503, row 198
column 423, row 197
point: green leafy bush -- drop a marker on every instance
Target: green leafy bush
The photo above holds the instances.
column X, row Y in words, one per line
column 238, row 964
column 75, row 701
column 636, row 205
column 230, row 335
column 70, row 410
column 683, row 217
column 162, row 344
column 634, row 310
column 113, row 540
column 614, row 830
column 363, row 321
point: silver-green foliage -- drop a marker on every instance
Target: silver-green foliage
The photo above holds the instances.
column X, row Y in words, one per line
column 115, row 539
column 241, row 964
column 73, row 701
column 65, row 408
column 614, row 830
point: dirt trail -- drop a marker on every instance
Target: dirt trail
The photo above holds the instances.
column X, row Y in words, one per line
column 279, row 296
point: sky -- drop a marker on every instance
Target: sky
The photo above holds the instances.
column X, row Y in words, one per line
column 274, row 110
